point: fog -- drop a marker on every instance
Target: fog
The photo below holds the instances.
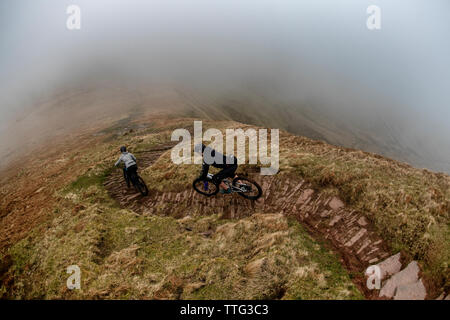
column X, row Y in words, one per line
column 392, row 84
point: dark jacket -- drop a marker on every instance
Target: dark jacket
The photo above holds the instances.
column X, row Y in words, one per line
column 217, row 160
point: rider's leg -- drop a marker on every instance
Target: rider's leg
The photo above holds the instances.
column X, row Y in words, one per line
column 219, row 177
column 226, row 173
column 223, row 185
column 233, row 174
column 131, row 172
column 125, row 176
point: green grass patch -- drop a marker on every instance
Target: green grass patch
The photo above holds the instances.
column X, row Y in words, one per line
column 90, row 179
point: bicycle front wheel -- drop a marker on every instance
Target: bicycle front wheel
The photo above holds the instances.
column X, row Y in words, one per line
column 248, row 188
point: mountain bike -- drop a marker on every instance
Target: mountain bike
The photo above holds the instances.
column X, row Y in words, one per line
column 243, row 186
column 138, row 183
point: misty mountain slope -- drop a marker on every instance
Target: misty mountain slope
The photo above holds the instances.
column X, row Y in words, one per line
column 73, row 110
column 140, row 69
column 66, row 217
column 382, row 131
column 79, row 109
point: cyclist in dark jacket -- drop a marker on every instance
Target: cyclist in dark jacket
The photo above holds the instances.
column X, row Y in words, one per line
column 228, row 164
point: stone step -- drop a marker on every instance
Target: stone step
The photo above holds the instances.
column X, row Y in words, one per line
column 390, row 266
column 407, row 276
column 411, row 291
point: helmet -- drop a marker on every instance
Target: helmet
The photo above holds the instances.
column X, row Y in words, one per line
column 199, row 148
column 123, row 149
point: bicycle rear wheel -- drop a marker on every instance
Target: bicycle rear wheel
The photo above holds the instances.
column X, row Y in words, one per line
column 141, row 186
column 249, row 189
column 205, row 187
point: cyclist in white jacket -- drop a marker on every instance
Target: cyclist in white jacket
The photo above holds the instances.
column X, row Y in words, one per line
column 130, row 164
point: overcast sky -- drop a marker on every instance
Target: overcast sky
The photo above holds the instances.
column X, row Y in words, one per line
column 316, row 49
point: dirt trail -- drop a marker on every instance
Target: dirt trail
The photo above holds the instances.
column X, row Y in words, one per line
column 348, row 231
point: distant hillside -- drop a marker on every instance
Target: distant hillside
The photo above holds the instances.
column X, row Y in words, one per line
column 367, row 130
column 78, row 109
column 174, row 244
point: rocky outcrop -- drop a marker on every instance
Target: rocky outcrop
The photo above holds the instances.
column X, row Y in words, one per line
column 390, row 266
column 400, row 284
column 412, row 291
column 405, row 277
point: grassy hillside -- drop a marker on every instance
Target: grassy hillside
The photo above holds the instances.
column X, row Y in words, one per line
column 410, row 207
column 129, row 256
column 126, row 255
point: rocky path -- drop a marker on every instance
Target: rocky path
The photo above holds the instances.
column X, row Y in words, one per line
column 116, row 186
column 349, row 232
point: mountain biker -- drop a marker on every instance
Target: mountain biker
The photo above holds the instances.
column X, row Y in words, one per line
column 228, row 165
column 130, row 164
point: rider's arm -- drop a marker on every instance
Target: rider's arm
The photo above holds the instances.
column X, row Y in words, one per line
column 118, row 161
column 205, row 169
column 133, row 157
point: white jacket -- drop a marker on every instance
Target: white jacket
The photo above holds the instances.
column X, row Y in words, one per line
column 126, row 158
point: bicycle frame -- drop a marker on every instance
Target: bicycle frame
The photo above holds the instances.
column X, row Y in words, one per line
column 241, row 185
column 228, row 183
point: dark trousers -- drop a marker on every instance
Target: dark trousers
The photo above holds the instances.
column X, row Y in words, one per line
column 128, row 172
column 227, row 172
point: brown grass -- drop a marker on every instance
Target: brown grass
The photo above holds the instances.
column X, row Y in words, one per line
column 126, row 256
